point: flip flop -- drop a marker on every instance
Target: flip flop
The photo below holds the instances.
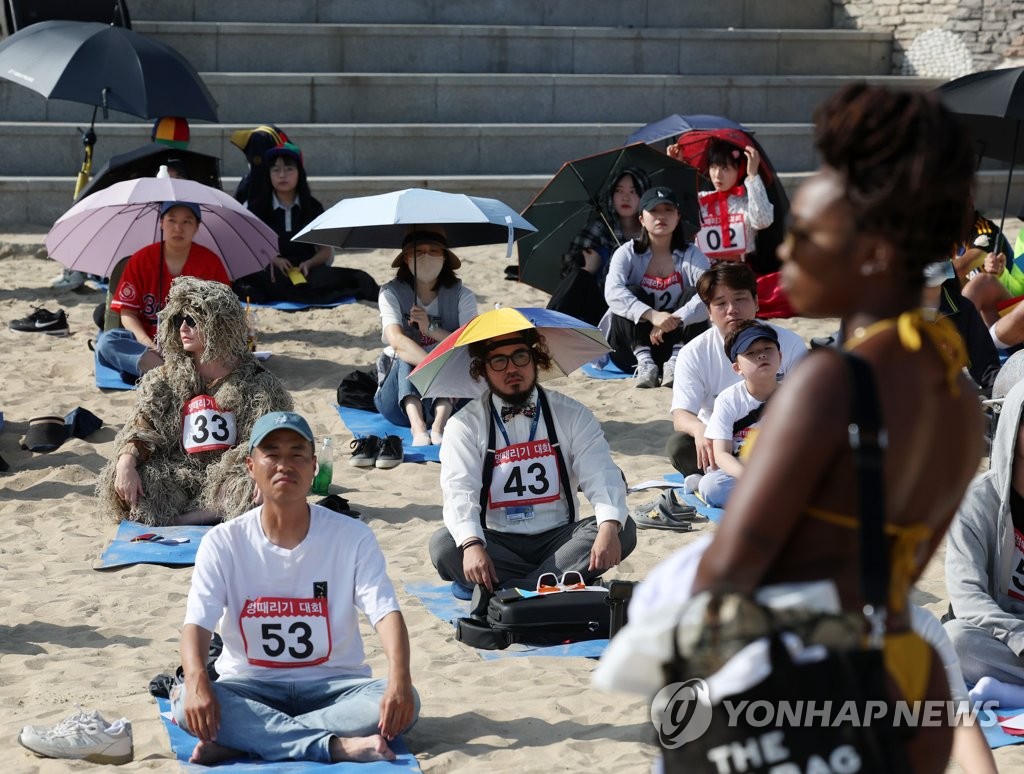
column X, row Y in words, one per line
column 666, row 512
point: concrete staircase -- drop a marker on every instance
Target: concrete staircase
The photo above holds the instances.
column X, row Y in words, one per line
column 485, row 97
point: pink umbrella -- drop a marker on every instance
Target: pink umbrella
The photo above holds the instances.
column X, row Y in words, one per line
column 111, row 224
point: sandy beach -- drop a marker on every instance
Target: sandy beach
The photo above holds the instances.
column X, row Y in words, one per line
column 71, row 635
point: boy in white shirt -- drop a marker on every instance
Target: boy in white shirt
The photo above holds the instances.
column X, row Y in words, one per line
column 753, row 348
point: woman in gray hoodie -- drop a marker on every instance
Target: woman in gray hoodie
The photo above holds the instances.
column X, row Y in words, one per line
column 985, row 560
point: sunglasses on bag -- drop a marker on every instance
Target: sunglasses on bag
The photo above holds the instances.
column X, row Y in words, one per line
column 571, row 581
column 188, row 319
column 519, row 358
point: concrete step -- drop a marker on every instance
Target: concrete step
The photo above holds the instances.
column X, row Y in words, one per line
column 55, row 149
column 813, row 14
column 39, row 201
column 289, row 98
column 402, row 48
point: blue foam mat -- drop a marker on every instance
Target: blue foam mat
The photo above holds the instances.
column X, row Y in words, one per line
column 708, row 511
column 363, row 423
column 439, row 601
column 994, row 734
column 608, row 371
column 109, row 379
column 182, row 745
column 122, row 552
column 298, row 306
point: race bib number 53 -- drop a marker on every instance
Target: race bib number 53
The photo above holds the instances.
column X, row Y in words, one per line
column 205, row 426
column 280, row 632
column 524, row 474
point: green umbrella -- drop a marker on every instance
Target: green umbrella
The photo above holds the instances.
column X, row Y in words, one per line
column 571, row 199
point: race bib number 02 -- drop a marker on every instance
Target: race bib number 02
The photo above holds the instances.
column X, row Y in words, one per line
column 711, row 237
column 284, row 633
column 524, row 474
column 207, row 427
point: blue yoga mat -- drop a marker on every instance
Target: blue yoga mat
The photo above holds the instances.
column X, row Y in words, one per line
column 438, row 600
column 608, row 371
column 109, row 379
column 994, row 734
column 364, row 423
column 182, row 745
column 709, row 512
column 298, row 306
column 123, row 552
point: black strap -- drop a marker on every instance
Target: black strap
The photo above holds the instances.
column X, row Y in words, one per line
column 750, row 419
column 868, row 441
column 488, row 470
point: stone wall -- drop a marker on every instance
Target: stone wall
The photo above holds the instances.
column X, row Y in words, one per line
column 942, row 38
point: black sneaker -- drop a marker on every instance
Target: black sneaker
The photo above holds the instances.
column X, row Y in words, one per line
column 390, row 453
column 42, row 321
column 364, row 451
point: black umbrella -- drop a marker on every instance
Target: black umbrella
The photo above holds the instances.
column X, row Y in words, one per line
column 572, row 197
column 146, row 161
column 108, row 67
column 991, row 103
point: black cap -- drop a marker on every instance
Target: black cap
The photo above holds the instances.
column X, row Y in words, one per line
column 661, row 195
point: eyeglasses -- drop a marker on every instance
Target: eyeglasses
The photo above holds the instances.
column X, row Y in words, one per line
column 571, row 581
column 188, row 319
column 519, row 358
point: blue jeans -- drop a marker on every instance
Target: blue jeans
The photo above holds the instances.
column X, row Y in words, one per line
column 280, row 720
column 395, row 389
column 715, row 487
column 118, row 349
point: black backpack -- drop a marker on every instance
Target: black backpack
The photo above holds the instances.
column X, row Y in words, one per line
column 357, row 390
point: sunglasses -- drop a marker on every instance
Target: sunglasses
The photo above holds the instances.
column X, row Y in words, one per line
column 188, row 319
column 519, row 358
column 571, row 581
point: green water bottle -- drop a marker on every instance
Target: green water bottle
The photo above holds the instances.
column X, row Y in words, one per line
column 325, row 468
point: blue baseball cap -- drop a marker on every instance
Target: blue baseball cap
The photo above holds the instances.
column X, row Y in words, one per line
column 278, row 420
column 746, row 337
column 191, row 205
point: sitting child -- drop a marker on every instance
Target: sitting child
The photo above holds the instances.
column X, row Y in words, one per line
column 753, row 348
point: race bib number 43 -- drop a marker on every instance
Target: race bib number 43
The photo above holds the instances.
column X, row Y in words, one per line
column 280, row 632
column 205, row 426
column 524, row 474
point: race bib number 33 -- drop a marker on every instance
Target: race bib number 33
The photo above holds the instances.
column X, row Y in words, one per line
column 282, row 633
column 525, row 474
column 205, row 426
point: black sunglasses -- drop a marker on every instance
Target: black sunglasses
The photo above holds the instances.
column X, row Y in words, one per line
column 188, row 319
column 500, row 362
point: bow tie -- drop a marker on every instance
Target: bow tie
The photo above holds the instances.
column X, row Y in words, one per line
column 526, row 409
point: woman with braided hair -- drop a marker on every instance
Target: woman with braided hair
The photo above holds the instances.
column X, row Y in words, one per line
column 897, row 168
column 178, row 458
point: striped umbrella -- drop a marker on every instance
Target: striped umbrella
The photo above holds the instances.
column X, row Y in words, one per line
column 445, row 371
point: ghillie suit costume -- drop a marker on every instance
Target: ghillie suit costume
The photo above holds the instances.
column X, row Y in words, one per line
column 189, row 457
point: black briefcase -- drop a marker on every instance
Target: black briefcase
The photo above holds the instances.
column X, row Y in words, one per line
column 551, row 619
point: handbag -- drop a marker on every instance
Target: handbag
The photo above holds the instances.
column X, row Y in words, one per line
column 805, row 715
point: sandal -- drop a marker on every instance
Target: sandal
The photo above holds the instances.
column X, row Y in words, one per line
column 667, row 512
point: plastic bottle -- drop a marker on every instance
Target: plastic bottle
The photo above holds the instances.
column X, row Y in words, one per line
column 325, row 468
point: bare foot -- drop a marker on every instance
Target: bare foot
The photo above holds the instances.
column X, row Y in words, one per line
column 201, row 517
column 436, row 436
column 210, row 753
column 360, row 748
column 421, row 439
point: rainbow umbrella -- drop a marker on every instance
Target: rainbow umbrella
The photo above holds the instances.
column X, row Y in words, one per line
column 445, row 371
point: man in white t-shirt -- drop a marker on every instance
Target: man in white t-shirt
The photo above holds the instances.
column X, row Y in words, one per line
column 284, row 583
column 729, row 290
column 511, row 463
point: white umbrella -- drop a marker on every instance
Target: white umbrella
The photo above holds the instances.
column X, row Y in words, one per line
column 383, row 220
column 111, row 224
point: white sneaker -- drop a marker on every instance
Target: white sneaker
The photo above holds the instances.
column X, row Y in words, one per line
column 668, row 372
column 82, row 736
column 646, row 374
column 69, row 280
